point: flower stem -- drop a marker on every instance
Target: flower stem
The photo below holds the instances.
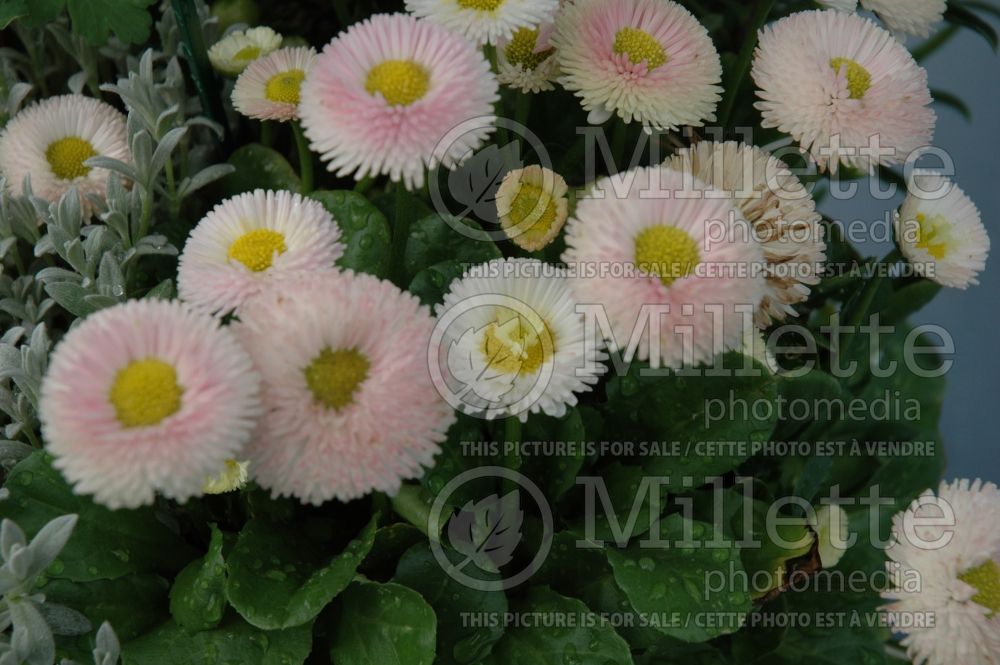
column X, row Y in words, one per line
column 742, row 65
column 400, row 234
column 305, row 158
column 410, row 504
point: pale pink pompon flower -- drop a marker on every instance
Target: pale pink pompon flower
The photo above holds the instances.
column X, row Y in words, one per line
column 394, row 95
column 645, row 60
column 844, row 88
column 678, row 276
column 147, row 397
column 349, row 405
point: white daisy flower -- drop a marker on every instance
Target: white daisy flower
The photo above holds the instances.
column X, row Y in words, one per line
column 231, row 54
column 49, row 142
column 532, row 206
column 777, row 205
column 940, row 232
column 247, row 241
column 233, row 476
column 948, row 575
column 527, row 61
column 514, row 343
column 268, row 89
column 485, row 21
column 912, row 17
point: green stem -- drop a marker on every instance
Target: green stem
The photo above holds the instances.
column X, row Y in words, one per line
column 32, row 439
column 742, row 65
column 364, row 184
column 410, row 504
column 266, row 133
column 174, row 204
column 193, row 44
column 400, row 234
column 523, row 109
column 512, row 441
column 305, row 158
column 941, row 38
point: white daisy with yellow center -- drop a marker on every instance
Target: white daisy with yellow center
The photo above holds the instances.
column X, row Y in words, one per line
column 532, row 206
column 251, row 239
column 50, row 142
column 268, row 89
column 232, row 477
column 527, row 61
column 234, row 52
column 940, row 232
column 512, row 342
column 949, row 571
column 485, row 21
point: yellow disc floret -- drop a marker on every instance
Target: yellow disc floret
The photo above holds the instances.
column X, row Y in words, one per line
column 986, row 580
column 67, row 155
column 145, row 392
column 859, row 80
column 481, row 5
column 520, row 50
column 666, row 252
column 933, row 235
column 333, row 377
column 640, row 46
column 247, row 54
column 516, row 345
column 400, row 82
column 533, row 212
column 284, row 87
column 256, row 249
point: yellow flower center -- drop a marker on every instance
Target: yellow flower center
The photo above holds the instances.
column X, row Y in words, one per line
column 986, row 580
column 401, row 82
column 520, row 50
column 334, row 376
column 640, row 46
column 284, row 87
column 533, row 211
column 858, row 78
column 145, row 393
column 517, row 346
column 933, row 235
column 481, row 5
column 67, row 155
column 247, row 54
column 256, row 249
column 666, row 252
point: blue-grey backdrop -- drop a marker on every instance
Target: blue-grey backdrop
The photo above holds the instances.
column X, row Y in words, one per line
column 968, row 68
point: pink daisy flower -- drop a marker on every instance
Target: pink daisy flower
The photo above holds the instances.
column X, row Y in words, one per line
column 145, row 397
column 386, row 97
column 950, row 572
column 836, row 82
column 654, row 246
column 248, row 240
column 646, row 60
column 348, row 400
column 268, row 89
column 485, row 21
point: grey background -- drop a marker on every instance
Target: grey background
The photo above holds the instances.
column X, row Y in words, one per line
column 968, row 68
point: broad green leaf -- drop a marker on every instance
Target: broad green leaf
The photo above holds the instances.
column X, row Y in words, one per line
column 434, row 239
column 234, row 641
column 457, row 643
column 259, row 167
column 391, row 541
column 277, row 579
column 383, row 624
column 910, row 299
column 458, row 456
column 628, row 497
column 675, row 581
column 555, row 474
column 133, row 604
column 41, row 12
column 584, row 640
column 430, row 284
column 831, row 645
column 105, row 544
column 198, row 596
column 129, row 20
column 10, row 10
column 364, row 229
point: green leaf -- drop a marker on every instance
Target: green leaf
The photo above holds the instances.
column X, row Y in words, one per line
column 830, row 646
column 910, row 299
column 959, row 15
column 10, row 10
column 555, row 474
column 674, row 581
column 365, row 231
column 129, row 20
column 259, row 167
column 430, row 284
column 584, row 640
column 198, row 596
column 105, row 544
column 391, row 541
column 433, row 240
column 115, row 601
column 234, row 641
column 952, row 101
column 453, row 602
column 278, row 580
column 41, row 12
column 626, row 493
column 383, row 624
